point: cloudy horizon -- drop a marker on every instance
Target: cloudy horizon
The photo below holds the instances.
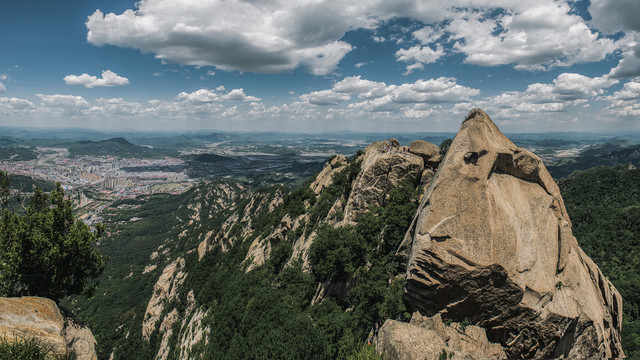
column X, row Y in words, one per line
column 321, row 66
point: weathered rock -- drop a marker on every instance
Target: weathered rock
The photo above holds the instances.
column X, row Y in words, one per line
column 165, row 290
column 260, row 249
column 429, row 152
column 492, row 242
column 301, row 249
column 41, row 318
column 429, row 338
column 381, row 171
column 325, row 177
column 79, row 338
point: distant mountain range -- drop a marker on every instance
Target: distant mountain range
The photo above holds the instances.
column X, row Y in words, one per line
column 118, row 147
column 606, row 154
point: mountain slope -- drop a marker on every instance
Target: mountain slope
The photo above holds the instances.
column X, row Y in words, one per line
column 224, row 271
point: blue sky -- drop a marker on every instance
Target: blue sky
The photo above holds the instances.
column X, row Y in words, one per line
column 320, row 65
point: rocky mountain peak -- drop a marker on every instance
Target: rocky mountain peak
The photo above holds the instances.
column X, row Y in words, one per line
column 491, row 242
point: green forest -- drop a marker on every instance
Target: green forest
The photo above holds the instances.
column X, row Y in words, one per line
column 267, row 313
column 604, row 206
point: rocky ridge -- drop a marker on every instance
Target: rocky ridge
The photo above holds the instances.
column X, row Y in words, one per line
column 493, row 270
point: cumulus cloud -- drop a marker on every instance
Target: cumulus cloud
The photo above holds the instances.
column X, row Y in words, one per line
column 109, row 78
column 207, row 96
column 325, row 97
column 568, row 89
column 378, row 96
column 277, row 35
column 629, row 65
column 626, row 101
column 540, row 37
column 418, row 56
column 118, row 107
column 63, row 101
column 12, row 104
column 612, row 16
column 265, row 37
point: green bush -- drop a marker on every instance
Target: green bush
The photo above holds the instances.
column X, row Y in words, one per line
column 29, row 348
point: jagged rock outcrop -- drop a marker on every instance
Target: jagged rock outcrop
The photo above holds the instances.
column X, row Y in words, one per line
column 325, row 177
column 429, row 152
column 492, row 242
column 260, row 249
column 42, row 319
column 430, row 338
column 165, row 290
column 384, row 166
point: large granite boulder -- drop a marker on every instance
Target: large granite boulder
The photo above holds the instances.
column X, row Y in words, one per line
column 40, row 318
column 429, row 152
column 431, row 338
column 492, row 242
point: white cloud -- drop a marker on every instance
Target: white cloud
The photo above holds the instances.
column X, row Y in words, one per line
column 418, row 56
column 3, row 88
column 63, row 101
column 12, row 104
column 612, row 16
column 325, row 97
column 629, row 65
column 382, row 97
column 118, row 107
column 630, row 91
column 625, row 102
column 207, row 96
column 109, row 78
column 357, row 85
column 266, row 37
column 568, row 89
column 539, row 37
column 239, row 95
column 571, row 86
column 277, row 35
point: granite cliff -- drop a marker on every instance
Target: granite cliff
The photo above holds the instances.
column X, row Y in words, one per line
column 492, row 243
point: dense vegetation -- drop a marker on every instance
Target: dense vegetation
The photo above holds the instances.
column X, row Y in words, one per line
column 45, row 252
column 267, row 312
column 17, row 153
column 604, row 206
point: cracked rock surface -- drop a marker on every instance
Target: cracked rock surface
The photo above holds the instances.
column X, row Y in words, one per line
column 492, row 242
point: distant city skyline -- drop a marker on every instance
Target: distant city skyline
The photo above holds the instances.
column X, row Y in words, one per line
column 320, row 66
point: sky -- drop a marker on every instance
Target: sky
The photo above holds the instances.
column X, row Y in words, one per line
column 320, row 65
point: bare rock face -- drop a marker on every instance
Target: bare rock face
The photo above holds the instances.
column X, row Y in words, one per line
column 325, row 177
column 384, row 166
column 429, row 152
column 430, row 338
column 41, row 318
column 492, row 242
column 165, row 290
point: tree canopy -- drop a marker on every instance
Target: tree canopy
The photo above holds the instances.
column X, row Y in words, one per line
column 46, row 252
